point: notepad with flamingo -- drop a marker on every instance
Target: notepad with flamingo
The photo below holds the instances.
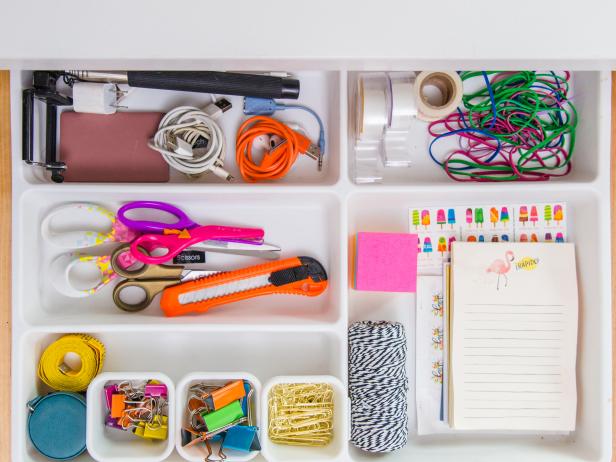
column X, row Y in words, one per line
column 513, row 326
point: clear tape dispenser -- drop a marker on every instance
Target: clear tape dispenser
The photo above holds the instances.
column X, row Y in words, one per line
column 391, row 110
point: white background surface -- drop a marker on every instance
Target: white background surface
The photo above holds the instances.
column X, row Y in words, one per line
column 428, row 32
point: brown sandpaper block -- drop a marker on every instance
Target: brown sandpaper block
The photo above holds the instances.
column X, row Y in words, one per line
column 111, row 148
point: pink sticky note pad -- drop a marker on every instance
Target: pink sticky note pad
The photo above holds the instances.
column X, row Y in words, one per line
column 386, row 262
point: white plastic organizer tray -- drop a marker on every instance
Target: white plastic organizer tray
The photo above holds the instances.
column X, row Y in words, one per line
column 311, row 214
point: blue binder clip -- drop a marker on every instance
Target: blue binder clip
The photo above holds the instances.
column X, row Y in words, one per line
column 242, row 438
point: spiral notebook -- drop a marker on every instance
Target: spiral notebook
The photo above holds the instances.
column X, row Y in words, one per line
column 513, row 337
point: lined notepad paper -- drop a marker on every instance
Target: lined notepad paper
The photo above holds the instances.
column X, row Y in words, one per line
column 514, row 317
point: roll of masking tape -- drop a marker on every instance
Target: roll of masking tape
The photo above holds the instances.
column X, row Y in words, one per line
column 372, row 106
column 438, row 94
column 54, row 371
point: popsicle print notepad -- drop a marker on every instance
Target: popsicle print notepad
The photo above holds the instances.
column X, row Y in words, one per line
column 514, row 317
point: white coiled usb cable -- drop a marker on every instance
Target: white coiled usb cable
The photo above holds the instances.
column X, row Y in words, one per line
column 190, row 140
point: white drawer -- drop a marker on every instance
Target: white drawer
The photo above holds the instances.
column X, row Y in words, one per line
column 312, row 214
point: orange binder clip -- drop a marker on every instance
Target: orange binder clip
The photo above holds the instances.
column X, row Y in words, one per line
column 227, row 394
column 292, row 276
column 117, row 405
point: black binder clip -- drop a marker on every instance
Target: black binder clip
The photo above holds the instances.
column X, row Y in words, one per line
column 44, row 89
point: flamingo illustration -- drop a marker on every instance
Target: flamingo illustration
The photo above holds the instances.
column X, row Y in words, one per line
column 501, row 268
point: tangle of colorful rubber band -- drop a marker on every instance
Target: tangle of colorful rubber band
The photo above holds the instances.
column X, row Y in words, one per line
column 518, row 126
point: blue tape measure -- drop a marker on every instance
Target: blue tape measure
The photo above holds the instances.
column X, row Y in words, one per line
column 57, row 425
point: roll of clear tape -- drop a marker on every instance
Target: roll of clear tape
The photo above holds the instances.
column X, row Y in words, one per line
column 392, row 101
column 403, row 104
column 372, row 106
column 438, row 94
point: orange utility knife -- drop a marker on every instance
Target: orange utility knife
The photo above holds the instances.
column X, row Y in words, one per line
column 292, row 276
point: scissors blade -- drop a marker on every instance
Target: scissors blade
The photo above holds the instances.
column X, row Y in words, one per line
column 265, row 250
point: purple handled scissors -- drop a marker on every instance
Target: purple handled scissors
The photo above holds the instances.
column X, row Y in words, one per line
column 175, row 236
column 146, row 226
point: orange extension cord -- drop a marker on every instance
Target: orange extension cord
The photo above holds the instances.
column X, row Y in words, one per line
column 277, row 162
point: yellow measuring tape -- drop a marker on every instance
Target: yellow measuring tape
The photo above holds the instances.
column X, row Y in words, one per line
column 58, row 375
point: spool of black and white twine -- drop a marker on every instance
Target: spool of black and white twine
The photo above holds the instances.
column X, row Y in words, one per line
column 378, row 386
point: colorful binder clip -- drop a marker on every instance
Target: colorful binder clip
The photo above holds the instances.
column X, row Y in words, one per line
column 139, row 408
column 222, row 415
column 242, row 438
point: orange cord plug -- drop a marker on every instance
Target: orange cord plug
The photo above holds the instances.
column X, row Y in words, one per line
column 277, row 162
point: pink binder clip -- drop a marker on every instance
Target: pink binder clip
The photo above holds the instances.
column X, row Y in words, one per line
column 109, row 391
column 157, row 390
